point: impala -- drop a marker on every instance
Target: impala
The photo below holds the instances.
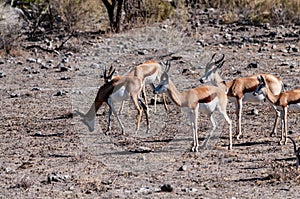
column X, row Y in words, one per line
column 283, row 101
column 148, row 73
column 241, row 89
column 116, row 89
column 204, row 98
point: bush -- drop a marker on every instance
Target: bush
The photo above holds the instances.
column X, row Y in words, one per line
column 10, row 27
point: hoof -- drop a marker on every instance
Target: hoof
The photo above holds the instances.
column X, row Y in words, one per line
column 194, row 149
column 229, row 147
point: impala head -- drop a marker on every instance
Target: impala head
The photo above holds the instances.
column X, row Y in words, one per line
column 108, row 77
column 211, row 68
column 261, row 88
column 164, row 80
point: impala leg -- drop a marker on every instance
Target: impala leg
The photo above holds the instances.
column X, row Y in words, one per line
column 155, row 100
column 239, row 106
column 274, row 131
column 140, row 110
column 228, row 120
column 193, row 115
column 144, row 95
column 145, row 108
column 121, row 108
column 110, row 103
column 109, row 121
column 165, row 102
column 282, row 127
column 284, row 137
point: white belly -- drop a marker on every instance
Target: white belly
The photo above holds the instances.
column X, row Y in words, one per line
column 209, row 107
column 119, row 95
column 150, row 79
column 249, row 97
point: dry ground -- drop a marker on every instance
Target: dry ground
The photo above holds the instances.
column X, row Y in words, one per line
column 47, row 152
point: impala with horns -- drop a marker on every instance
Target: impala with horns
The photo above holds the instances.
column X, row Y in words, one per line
column 241, row 89
column 116, row 89
column 148, row 72
column 205, row 99
column 283, row 101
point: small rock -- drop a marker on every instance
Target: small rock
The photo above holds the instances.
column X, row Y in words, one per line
column 60, row 93
column 62, row 68
column 2, row 74
column 142, row 149
column 35, row 89
column 13, row 95
column 182, row 168
column 57, row 177
column 292, row 66
column 253, row 65
column 64, row 60
column 65, row 78
column 31, row 60
column 295, row 49
column 19, row 63
column 1, row 62
column 38, row 133
column 284, row 50
column 166, row 188
column 254, row 112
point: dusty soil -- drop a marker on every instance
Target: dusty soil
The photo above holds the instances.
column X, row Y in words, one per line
column 47, row 152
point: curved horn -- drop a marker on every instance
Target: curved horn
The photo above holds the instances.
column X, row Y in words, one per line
column 105, row 73
column 216, row 62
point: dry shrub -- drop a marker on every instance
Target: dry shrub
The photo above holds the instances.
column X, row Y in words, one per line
column 257, row 11
column 146, row 12
column 77, row 14
column 10, row 28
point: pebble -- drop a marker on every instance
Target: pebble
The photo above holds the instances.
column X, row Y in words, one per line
column 2, row 74
column 254, row 112
column 166, row 188
column 1, row 62
column 60, row 93
column 35, row 89
column 31, row 60
column 182, row 168
column 142, row 149
column 13, row 95
column 253, row 65
column 57, row 177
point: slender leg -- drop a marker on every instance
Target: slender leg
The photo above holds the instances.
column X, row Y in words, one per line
column 140, row 110
column 165, row 102
column 282, row 126
column 109, row 121
column 146, row 113
column 155, row 100
column 121, row 108
column 193, row 116
column 110, row 103
column 285, row 110
column 274, row 131
column 239, row 106
column 228, row 120
column 213, row 123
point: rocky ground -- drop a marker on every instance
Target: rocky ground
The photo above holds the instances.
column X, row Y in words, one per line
column 47, row 152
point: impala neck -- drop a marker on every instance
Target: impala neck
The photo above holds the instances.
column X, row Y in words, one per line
column 219, row 82
column 271, row 97
column 174, row 94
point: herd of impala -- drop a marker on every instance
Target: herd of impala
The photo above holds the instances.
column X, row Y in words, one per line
column 205, row 98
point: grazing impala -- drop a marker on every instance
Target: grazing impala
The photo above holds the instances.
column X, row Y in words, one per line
column 116, row 89
column 283, row 101
column 205, row 98
column 241, row 89
column 148, row 73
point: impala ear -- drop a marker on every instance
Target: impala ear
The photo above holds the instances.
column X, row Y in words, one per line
column 261, row 79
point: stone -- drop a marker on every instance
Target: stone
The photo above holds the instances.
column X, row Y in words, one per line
column 166, row 188
column 182, row 168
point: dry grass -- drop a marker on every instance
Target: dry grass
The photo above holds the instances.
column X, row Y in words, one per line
column 259, row 11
